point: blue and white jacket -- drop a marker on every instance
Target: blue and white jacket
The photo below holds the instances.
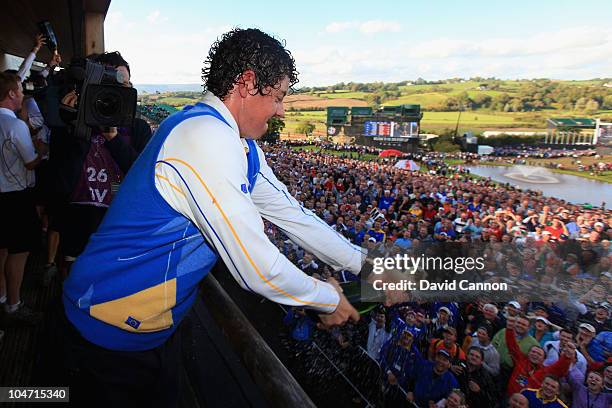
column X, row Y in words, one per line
column 197, row 192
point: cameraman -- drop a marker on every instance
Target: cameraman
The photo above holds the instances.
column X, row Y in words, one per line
column 89, row 171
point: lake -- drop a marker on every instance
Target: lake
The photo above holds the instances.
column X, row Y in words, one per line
column 574, row 189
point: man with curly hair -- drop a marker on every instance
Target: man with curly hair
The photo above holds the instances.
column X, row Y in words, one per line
column 197, row 192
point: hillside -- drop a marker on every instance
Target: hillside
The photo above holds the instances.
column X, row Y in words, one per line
column 485, row 103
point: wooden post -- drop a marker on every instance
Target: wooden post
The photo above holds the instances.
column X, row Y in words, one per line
column 94, row 33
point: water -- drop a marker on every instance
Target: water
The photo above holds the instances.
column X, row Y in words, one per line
column 577, row 190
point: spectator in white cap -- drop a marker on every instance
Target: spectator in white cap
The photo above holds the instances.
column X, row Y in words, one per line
column 600, row 318
column 541, row 330
column 584, row 338
column 513, row 308
column 441, row 321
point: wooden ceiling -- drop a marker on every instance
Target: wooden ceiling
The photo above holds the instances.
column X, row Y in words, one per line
column 19, row 18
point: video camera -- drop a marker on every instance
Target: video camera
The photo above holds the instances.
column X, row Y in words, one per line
column 103, row 101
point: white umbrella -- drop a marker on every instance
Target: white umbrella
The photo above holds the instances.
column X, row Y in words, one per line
column 407, row 164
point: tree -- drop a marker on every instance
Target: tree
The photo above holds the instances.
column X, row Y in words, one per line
column 275, row 126
column 499, row 101
column 451, row 104
column 580, row 104
column 591, row 106
column 482, row 101
column 465, row 103
column 373, row 99
column 305, row 127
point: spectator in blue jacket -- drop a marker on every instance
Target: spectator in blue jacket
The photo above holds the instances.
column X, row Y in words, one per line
column 300, row 323
column 434, row 380
column 398, row 359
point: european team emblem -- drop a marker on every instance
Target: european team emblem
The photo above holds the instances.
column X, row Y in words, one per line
column 132, row 322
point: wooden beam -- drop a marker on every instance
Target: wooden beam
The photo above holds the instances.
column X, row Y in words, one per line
column 276, row 383
column 94, row 33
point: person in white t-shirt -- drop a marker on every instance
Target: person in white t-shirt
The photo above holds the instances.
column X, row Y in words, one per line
column 19, row 232
column 552, row 349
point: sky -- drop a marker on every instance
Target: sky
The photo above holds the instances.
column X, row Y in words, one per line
column 166, row 42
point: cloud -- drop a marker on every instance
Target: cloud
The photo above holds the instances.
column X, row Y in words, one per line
column 175, row 57
column 570, row 53
column 365, row 27
column 379, row 26
column 339, row 26
column 574, row 39
column 154, row 17
column 370, row 52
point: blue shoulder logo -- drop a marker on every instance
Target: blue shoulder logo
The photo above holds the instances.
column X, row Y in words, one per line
column 244, row 188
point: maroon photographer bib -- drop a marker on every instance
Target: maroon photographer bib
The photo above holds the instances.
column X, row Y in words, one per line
column 100, row 175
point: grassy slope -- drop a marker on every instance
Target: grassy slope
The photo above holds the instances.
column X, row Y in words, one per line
column 425, row 95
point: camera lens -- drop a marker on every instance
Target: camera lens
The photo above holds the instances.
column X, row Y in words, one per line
column 108, row 104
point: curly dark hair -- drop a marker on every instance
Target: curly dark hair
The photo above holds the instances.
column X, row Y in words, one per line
column 240, row 50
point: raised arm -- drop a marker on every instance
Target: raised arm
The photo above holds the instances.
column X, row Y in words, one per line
column 25, row 66
column 302, row 226
column 513, row 347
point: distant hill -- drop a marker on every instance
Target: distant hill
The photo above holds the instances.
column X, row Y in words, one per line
column 305, row 102
column 162, row 88
column 485, row 103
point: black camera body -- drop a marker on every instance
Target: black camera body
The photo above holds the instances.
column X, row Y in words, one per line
column 103, row 101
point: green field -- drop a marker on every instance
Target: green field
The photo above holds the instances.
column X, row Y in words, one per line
column 430, row 96
column 435, row 120
column 472, row 118
column 342, row 94
column 177, row 102
column 424, row 99
column 317, row 118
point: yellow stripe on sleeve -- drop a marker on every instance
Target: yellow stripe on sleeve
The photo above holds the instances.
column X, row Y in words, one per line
column 177, row 189
column 242, row 247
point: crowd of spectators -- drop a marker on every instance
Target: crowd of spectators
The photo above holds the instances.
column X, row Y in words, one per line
column 527, row 351
column 523, row 352
column 506, row 155
column 538, row 152
column 155, row 113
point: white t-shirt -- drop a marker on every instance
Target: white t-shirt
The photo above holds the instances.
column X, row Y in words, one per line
column 37, row 121
column 552, row 355
column 16, row 149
